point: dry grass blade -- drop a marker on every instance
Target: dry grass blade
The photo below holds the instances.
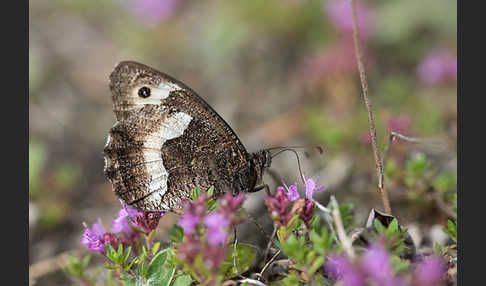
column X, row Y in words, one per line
column 371, row 120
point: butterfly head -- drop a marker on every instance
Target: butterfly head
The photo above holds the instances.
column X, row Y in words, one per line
column 251, row 173
column 134, row 85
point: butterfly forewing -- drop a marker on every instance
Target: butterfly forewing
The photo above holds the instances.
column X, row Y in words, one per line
column 166, row 141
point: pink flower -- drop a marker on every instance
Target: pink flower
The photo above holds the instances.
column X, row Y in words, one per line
column 307, row 212
column 335, row 61
column 343, row 269
column 278, row 206
column 94, row 237
column 310, row 187
column 341, row 16
column 438, row 66
column 229, row 205
column 147, row 221
column 293, row 193
column 188, row 222
column 376, row 263
column 216, row 224
column 189, row 250
column 430, row 271
column 213, row 256
column 152, row 12
column 121, row 224
column 399, row 124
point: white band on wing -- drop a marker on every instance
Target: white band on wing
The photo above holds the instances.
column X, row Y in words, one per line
column 171, row 127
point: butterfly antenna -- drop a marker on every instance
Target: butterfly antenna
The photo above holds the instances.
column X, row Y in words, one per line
column 292, row 149
column 296, row 155
column 318, row 148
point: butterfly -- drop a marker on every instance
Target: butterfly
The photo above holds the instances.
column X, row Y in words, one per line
column 167, row 140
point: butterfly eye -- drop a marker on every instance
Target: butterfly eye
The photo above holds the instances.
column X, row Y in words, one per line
column 144, row 92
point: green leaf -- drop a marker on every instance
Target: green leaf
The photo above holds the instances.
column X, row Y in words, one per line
column 129, row 282
column 75, row 266
column 321, row 242
column 281, row 233
column 176, row 234
column 158, row 273
column 294, row 247
column 294, row 223
column 151, row 235
column 399, row 265
column 162, row 278
column 126, row 255
column 195, row 193
column 315, row 222
column 184, row 280
column 346, row 211
column 417, row 165
column 110, row 266
column 119, row 253
column 451, row 230
column 155, row 248
column 245, row 255
column 211, row 204
column 129, row 266
column 85, row 260
column 437, row 248
column 157, row 262
column 210, row 191
column 445, row 182
column 393, row 227
column 379, row 226
column 318, row 262
column 111, row 253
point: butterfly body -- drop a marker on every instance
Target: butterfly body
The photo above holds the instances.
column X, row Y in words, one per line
column 167, row 141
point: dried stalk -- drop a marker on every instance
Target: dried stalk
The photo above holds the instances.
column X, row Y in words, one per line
column 408, row 139
column 371, row 120
column 341, row 233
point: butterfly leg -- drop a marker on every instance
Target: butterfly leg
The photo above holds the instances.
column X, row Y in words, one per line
column 259, row 188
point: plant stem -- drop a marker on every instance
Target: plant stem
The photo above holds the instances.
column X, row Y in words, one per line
column 341, row 233
column 371, row 120
column 149, row 247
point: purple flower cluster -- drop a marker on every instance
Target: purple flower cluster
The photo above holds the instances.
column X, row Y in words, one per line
column 144, row 221
column 340, row 58
column 430, row 271
column 374, row 266
column 205, row 233
column 125, row 229
column 341, row 16
column 152, row 12
column 399, row 124
column 439, row 66
column 94, row 237
column 279, row 205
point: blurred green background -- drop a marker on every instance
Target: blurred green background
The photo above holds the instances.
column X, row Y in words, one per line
column 279, row 72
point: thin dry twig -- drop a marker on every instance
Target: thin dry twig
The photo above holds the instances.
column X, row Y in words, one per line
column 267, row 249
column 371, row 120
column 345, row 241
column 269, row 262
column 327, row 214
column 395, row 135
column 252, row 281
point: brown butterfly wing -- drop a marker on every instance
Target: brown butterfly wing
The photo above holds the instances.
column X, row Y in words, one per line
column 190, row 145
